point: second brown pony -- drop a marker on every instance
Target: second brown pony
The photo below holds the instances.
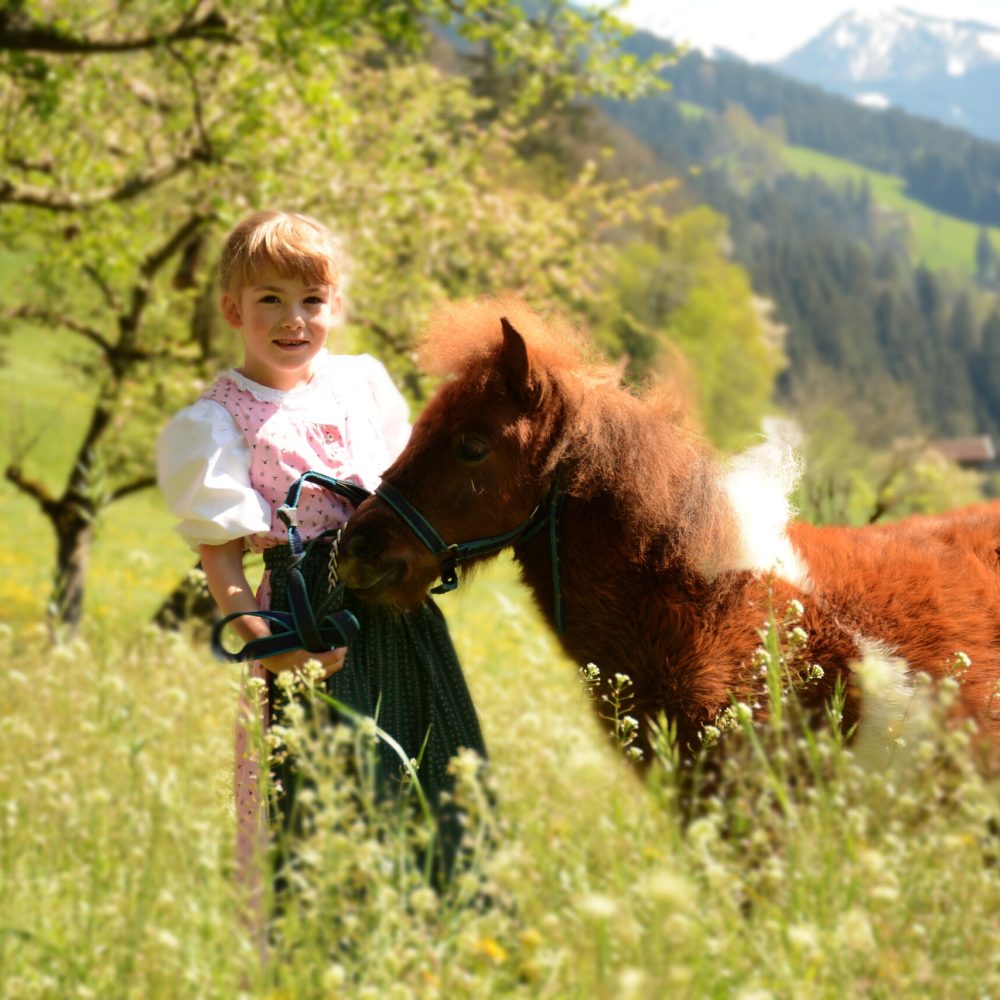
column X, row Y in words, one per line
column 668, row 558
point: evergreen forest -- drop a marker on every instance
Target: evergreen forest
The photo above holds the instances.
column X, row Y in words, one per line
column 860, row 306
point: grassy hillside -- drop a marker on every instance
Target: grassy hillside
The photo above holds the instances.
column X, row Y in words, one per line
column 937, row 240
column 807, row 877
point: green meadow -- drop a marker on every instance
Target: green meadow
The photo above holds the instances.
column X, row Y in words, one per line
column 937, row 240
column 807, row 876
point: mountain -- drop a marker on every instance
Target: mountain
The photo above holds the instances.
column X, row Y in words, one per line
column 938, row 68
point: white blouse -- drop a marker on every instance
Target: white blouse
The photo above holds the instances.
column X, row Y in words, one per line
column 203, row 459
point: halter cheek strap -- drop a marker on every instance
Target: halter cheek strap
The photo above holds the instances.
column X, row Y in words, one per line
column 448, row 555
column 545, row 514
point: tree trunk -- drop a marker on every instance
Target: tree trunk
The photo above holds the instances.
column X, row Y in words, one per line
column 74, row 529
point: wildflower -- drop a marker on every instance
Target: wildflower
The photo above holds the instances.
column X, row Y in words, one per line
column 256, row 686
column 465, row 766
column 672, row 889
column 287, row 681
column 726, row 721
column 334, row 977
column 631, row 983
column 598, row 906
column 590, row 675
column 312, row 671
column 491, row 949
column 679, row 975
column 793, row 611
column 854, row 931
column 167, row 939
column 530, row 939
column 424, row 900
column 960, row 662
column 804, row 938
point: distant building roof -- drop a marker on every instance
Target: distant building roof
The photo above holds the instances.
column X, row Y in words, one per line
column 971, row 450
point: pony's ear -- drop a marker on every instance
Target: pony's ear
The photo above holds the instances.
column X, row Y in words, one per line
column 515, row 364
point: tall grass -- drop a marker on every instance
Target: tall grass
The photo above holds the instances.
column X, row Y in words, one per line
column 806, row 876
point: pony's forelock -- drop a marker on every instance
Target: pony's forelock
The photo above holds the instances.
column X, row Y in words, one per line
column 461, row 333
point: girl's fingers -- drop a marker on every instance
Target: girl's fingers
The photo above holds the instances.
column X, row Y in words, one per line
column 335, row 661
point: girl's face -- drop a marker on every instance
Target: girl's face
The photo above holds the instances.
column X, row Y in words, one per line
column 284, row 323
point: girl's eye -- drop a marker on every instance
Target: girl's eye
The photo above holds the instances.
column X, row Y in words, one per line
column 472, row 449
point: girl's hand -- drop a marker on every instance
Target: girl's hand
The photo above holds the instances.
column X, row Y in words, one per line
column 331, row 661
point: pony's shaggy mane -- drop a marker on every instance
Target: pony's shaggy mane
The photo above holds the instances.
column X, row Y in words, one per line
column 677, row 505
column 462, row 333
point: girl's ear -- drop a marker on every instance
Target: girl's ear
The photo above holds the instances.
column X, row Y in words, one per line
column 231, row 311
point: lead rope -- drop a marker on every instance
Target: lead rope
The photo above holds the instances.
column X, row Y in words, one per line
column 332, row 571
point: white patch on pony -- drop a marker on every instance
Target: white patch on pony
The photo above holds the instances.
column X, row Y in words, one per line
column 759, row 483
column 893, row 709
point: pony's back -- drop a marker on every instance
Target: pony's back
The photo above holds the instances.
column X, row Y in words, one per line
column 924, row 588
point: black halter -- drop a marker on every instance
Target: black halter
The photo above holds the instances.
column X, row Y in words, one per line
column 298, row 628
column 545, row 514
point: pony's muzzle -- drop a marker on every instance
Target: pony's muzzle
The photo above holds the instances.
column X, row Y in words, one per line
column 365, row 567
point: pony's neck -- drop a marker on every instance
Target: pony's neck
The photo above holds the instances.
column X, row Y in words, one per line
column 672, row 503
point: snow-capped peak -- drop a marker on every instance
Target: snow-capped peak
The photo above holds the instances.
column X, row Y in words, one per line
column 895, row 57
column 896, row 42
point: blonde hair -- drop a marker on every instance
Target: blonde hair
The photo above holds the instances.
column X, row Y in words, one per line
column 287, row 242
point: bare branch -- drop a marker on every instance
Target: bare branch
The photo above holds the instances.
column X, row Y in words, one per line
column 43, row 166
column 34, row 36
column 72, row 201
column 31, row 488
column 128, row 322
column 181, row 237
column 37, row 315
column 196, row 100
column 106, row 291
column 136, row 486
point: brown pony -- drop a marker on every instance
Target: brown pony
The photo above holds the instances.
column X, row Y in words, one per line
column 668, row 559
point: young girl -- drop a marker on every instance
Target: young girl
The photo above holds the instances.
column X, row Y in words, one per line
column 225, row 465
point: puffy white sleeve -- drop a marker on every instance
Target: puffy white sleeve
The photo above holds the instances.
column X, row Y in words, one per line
column 392, row 407
column 203, row 470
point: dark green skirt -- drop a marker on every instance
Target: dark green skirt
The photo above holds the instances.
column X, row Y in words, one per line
column 402, row 670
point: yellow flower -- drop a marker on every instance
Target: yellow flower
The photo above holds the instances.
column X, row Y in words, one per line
column 491, row 949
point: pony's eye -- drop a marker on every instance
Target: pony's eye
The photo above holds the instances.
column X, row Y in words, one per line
column 471, row 449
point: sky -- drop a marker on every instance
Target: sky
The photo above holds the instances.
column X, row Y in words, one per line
column 770, row 29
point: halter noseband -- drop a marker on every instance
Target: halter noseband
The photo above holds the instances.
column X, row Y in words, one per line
column 545, row 514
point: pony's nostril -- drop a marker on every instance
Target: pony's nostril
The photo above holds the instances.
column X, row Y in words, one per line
column 360, row 545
